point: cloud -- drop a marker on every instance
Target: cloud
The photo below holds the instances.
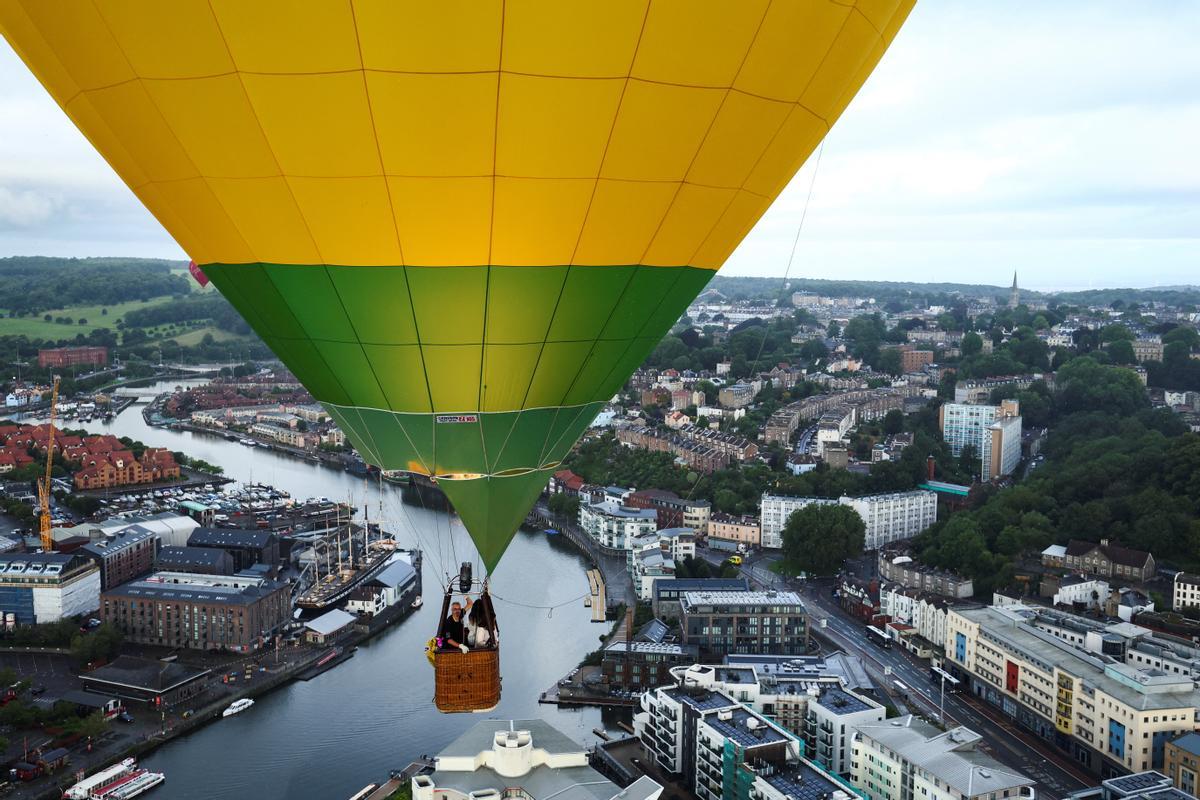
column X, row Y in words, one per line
column 1056, row 138
column 24, row 209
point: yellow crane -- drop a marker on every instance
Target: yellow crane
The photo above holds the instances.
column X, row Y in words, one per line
column 44, row 482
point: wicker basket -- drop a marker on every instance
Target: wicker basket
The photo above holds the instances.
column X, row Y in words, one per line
column 467, row 681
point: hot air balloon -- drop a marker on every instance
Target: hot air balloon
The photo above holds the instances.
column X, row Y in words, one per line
column 461, row 224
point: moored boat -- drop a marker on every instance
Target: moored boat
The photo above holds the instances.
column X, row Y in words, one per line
column 237, row 707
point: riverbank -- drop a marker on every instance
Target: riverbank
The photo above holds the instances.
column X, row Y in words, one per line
column 374, row 713
column 261, row 679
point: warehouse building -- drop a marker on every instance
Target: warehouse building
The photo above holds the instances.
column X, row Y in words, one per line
column 178, row 609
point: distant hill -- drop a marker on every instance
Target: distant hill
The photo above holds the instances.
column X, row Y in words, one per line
column 747, row 288
column 30, row 285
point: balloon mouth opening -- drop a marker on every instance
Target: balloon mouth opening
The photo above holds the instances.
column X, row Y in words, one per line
column 516, row 472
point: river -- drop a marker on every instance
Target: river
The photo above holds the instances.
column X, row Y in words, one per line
column 331, row 736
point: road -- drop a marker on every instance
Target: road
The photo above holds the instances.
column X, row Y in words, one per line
column 805, row 439
column 1016, row 748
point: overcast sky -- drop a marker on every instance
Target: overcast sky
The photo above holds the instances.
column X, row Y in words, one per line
column 1060, row 139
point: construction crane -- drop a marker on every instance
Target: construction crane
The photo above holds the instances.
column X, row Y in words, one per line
column 44, row 482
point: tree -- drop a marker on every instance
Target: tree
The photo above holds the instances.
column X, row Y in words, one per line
column 968, row 459
column 893, row 421
column 818, row 538
column 833, row 331
column 972, row 344
column 1121, row 352
column 890, row 362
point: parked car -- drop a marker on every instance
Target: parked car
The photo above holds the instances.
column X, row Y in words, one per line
column 125, row 717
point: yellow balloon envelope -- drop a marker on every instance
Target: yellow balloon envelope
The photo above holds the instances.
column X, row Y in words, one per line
column 462, row 225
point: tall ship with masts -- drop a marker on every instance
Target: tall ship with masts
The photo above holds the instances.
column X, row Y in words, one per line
column 342, row 560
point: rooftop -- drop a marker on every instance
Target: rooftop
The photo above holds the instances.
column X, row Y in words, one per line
column 230, row 537
column 950, row 756
column 557, row 767
column 144, row 674
column 699, row 699
column 700, row 584
column 330, row 621
column 768, row 598
column 744, row 727
column 179, row 557
column 1011, row 627
column 232, row 589
column 1189, row 742
column 840, row 702
column 801, row 781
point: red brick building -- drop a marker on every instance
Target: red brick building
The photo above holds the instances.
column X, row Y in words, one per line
column 73, row 356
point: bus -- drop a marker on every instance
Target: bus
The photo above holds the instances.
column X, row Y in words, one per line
column 937, row 675
column 901, row 689
column 879, row 637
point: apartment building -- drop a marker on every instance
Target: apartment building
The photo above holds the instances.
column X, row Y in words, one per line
column 1102, row 708
column 994, row 432
column 673, row 511
column 745, row 622
column 668, row 594
column 726, row 531
column 888, row 517
column 804, row 698
column 906, row 758
column 774, row 512
column 1147, row 348
column 123, row 557
column 613, row 524
column 1186, row 591
column 719, row 748
column 893, row 516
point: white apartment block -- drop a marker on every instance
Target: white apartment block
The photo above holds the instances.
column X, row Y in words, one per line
column 1186, row 591
column 893, row 516
column 776, row 509
column 888, row 517
column 1104, row 706
column 994, row 432
column 613, row 525
column 906, row 758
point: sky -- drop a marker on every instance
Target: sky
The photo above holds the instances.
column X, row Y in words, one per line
column 1057, row 139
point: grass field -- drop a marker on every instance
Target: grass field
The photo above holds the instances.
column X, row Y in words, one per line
column 38, row 327
column 195, row 337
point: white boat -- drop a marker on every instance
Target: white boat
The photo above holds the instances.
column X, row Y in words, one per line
column 237, row 707
column 418, row 602
column 118, row 782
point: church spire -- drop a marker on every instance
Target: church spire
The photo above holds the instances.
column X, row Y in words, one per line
column 1014, row 295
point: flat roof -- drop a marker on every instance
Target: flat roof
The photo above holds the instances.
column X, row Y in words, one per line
column 230, row 589
column 841, row 702
column 744, row 727
column 950, row 755
column 699, row 699
column 144, row 674
column 741, row 599
column 803, row 781
column 563, row 783
column 1012, row 627
column 330, row 622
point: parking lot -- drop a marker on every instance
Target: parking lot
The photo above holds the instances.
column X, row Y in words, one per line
column 46, row 669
